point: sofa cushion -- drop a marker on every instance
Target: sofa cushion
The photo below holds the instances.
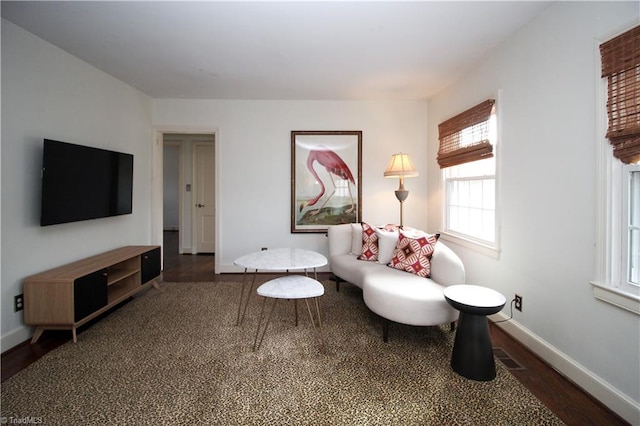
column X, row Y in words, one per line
column 369, row 243
column 350, row 269
column 406, row 298
column 413, row 253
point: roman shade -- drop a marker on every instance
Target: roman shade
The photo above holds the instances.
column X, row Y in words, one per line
column 465, row 137
column 621, row 67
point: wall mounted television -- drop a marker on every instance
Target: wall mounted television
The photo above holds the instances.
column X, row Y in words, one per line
column 82, row 183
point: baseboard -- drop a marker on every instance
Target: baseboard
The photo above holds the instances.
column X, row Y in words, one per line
column 231, row 269
column 15, row 337
column 591, row 383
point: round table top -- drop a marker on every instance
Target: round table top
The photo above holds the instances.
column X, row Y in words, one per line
column 291, row 287
column 281, row 259
column 475, row 296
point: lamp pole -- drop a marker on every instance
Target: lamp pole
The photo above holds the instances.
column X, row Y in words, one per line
column 401, row 195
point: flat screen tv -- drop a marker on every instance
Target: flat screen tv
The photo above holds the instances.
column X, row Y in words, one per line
column 82, row 183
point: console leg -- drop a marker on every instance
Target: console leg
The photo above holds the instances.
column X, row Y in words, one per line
column 37, row 334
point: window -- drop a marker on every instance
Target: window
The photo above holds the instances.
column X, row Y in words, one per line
column 617, row 278
column 467, row 158
column 618, row 232
column 631, row 225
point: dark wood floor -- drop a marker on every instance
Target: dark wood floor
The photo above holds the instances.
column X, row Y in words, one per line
column 564, row 398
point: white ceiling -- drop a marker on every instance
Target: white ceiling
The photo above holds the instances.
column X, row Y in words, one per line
column 339, row 50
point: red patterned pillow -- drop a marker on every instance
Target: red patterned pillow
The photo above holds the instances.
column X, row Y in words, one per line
column 369, row 243
column 413, row 254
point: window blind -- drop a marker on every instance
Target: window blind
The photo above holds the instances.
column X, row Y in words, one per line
column 621, row 67
column 465, row 137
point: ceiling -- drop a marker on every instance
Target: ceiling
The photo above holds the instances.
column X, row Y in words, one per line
column 338, row 50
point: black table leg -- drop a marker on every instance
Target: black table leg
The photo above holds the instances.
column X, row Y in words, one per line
column 472, row 351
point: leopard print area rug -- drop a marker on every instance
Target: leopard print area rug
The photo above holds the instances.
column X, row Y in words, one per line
column 175, row 356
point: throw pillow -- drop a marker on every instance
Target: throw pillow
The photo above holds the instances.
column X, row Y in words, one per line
column 356, row 239
column 387, row 241
column 413, row 253
column 369, row 243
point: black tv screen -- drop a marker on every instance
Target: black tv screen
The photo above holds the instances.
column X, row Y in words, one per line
column 82, row 183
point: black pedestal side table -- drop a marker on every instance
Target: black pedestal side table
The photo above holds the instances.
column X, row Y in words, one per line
column 472, row 352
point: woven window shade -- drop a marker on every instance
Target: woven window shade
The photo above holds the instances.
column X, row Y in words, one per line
column 465, row 137
column 621, row 67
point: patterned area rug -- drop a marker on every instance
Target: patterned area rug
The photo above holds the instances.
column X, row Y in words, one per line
column 175, row 356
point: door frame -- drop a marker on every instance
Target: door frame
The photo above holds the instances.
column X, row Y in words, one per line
column 156, row 214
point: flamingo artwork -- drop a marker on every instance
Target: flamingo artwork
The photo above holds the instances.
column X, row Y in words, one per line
column 335, row 167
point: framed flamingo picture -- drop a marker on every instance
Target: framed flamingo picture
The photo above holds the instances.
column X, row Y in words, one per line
column 326, row 179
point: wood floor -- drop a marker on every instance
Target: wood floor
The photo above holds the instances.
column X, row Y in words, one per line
column 561, row 396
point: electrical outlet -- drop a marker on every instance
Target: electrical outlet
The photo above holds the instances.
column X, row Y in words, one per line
column 18, row 303
column 518, row 303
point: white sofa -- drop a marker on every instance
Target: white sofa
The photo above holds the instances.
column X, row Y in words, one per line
column 393, row 294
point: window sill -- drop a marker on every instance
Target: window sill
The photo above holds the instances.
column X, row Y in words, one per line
column 627, row 301
column 471, row 244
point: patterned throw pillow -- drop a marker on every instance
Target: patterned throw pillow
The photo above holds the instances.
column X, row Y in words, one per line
column 413, row 254
column 369, row 243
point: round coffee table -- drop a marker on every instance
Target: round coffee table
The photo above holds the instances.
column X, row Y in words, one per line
column 281, row 259
column 472, row 355
column 289, row 287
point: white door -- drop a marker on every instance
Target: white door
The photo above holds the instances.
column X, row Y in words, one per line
column 204, row 199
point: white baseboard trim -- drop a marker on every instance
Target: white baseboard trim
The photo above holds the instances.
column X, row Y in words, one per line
column 231, row 268
column 591, row 383
column 15, row 337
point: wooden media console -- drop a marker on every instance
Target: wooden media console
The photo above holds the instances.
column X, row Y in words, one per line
column 66, row 297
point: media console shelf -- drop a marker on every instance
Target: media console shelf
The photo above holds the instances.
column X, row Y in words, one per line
column 66, row 297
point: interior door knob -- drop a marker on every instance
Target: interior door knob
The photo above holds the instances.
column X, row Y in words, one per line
column 199, row 205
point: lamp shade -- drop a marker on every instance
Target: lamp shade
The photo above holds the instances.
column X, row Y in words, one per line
column 400, row 166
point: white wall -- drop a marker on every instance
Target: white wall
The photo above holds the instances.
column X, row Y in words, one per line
column 254, row 169
column 47, row 93
column 548, row 78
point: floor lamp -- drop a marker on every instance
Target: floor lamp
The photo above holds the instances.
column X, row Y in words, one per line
column 401, row 167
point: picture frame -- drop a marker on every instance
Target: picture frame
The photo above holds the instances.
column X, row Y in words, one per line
column 326, row 179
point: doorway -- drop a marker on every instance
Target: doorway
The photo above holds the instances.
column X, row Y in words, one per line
column 188, row 193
